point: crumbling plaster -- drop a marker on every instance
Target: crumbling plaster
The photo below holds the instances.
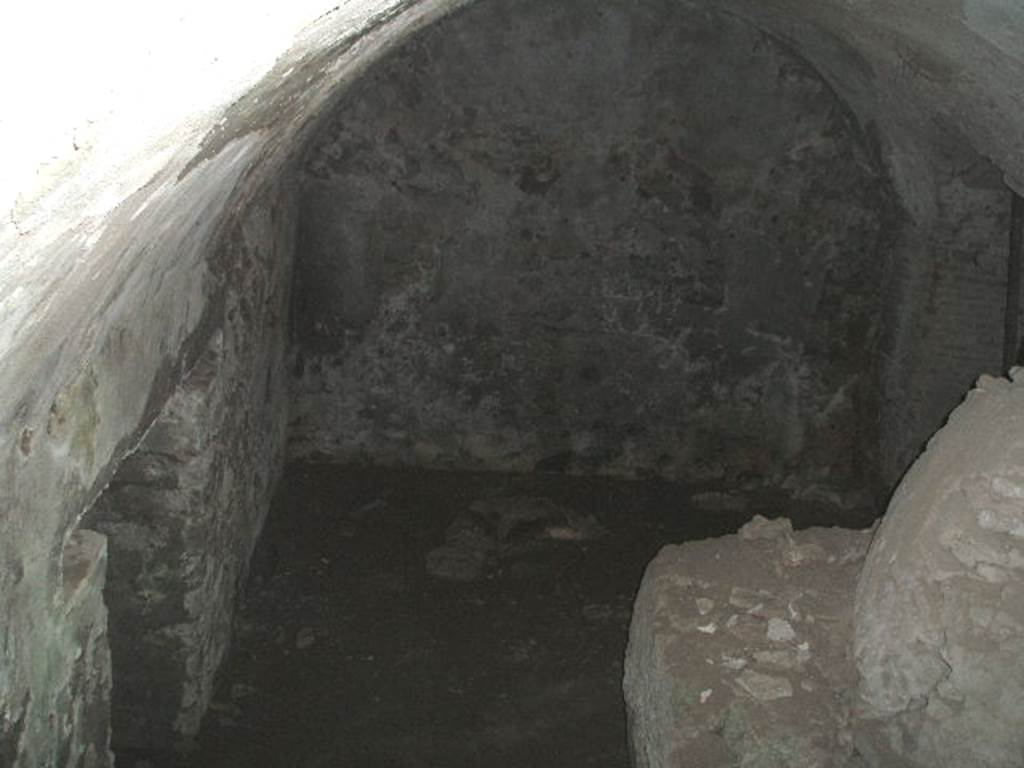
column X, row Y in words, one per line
column 607, row 239
column 128, row 137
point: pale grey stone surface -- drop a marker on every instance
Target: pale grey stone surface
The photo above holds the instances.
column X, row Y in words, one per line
column 739, row 651
column 940, row 607
column 522, row 246
column 933, row 676
column 80, row 735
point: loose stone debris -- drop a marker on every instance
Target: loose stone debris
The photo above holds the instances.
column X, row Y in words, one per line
column 502, row 528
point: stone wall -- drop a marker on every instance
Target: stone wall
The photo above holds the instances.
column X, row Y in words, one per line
column 108, row 282
column 814, row 648
column 949, row 296
column 939, row 612
column 604, row 238
column 182, row 513
column 75, row 727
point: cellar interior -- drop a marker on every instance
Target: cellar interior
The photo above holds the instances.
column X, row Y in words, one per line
column 363, row 437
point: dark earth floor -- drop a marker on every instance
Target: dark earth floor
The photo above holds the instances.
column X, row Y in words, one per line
column 349, row 653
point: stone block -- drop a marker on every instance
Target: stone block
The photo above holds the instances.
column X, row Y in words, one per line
column 739, row 651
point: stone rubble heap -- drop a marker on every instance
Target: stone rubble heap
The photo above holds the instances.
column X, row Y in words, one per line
column 829, row 648
column 502, row 527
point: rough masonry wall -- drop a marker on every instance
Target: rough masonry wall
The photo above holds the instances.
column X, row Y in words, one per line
column 128, row 329
column 606, row 238
column 183, row 511
column 948, row 301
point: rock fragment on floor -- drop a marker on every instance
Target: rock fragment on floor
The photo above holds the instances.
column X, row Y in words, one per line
column 504, row 527
column 466, row 550
column 516, row 518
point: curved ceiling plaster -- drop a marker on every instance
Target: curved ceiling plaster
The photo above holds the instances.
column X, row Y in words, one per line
column 125, row 145
column 124, row 98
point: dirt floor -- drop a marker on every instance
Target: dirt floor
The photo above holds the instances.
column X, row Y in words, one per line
column 411, row 618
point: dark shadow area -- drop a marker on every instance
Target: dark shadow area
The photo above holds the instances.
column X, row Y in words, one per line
column 368, row 638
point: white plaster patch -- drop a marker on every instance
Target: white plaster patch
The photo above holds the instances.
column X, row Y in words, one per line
column 780, row 631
